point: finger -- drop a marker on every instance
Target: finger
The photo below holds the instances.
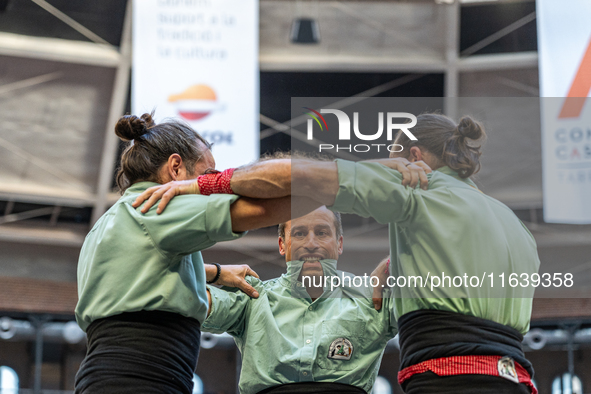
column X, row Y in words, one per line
column 414, row 176
column 405, row 174
column 377, row 298
column 424, row 181
column 144, row 196
column 250, row 271
column 157, row 195
column 248, row 289
column 166, row 197
column 424, row 166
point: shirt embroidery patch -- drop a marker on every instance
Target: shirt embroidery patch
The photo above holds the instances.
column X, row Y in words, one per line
column 506, row 367
column 340, row 349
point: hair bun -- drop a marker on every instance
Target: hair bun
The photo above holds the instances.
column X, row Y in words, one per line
column 469, row 128
column 130, row 127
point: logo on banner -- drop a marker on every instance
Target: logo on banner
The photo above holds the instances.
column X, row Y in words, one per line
column 573, row 128
column 579, row 90
column 195, row 103
column 392, row 120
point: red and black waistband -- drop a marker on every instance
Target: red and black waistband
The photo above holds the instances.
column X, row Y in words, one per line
column 430, row 334
column 503, row 367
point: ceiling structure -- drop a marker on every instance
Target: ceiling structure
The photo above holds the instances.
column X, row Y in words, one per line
column 64, row 81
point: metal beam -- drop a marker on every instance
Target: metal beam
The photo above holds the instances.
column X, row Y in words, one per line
column 33, row 213
column 71, row 236
column 500, row 34
column 58, row 50
column 452, row 44
column 41, row 164
column 286, row 126
column 411, row 63
column 118, row 100
column 500, row 61
column 70, row 22
column 29, row 82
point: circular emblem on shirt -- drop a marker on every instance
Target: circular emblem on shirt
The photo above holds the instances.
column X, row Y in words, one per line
column 340, row 349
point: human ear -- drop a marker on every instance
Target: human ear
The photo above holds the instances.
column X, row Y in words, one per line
column 415, row 154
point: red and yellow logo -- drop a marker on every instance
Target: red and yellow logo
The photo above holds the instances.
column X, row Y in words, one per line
column 579, row 90
column 195, row 103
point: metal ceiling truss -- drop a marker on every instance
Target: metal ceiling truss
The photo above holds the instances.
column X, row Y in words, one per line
column 99, row 52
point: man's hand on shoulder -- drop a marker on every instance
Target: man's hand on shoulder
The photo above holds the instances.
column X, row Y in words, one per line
column 413, row 173
column 165, row 193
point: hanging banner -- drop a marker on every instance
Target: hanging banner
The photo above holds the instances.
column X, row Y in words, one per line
column 197, row 60
column 564, row 46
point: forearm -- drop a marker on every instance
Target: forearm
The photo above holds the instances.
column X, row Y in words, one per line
column 317, row 180
column 265, row 179
column 209, row 302
column 211, row 272
column 250, row 213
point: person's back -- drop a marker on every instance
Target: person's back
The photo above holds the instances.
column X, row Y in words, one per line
column 443, row 237
column 463, row 247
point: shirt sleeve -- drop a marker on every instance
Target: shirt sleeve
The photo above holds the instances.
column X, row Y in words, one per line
column 388, row 308
column 372, row 189
column 190, row 223
column 228, row 310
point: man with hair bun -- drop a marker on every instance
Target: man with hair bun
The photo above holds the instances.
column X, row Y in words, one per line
column 452, row 340
column 141, row 277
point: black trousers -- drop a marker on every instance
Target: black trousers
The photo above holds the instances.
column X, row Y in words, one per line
column 141, row 352
column 313, row 388
column 430, row 383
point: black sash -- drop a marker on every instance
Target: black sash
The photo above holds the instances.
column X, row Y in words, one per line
column 313, row 388
column 140, row 352
column 429, row 334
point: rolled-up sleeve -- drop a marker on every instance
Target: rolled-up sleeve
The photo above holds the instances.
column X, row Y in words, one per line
column 191, row 223
column 228, row 310
column 372, row 189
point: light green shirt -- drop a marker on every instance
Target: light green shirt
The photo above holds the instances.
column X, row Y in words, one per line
column 452, row 228
column 285, row 337
column 131, row 262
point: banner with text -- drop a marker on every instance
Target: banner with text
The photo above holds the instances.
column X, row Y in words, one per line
column 564, row 46
column 197, row 60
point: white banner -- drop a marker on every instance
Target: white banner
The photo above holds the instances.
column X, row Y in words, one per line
column 197, row 60
column 564, row 46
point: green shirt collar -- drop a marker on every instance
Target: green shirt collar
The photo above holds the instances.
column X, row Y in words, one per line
column 290, row 278
column 139, row 187
column 448, row 171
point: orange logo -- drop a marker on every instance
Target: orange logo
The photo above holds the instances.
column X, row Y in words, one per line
column 579, row 90
column 195, row 103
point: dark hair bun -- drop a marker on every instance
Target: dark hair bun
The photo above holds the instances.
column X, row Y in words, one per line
column 130, row 127
column 469, row 128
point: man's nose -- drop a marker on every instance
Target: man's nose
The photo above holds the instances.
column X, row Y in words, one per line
column 311, row 242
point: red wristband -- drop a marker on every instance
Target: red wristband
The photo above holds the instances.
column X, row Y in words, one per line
column 387, row 270
column 216, row 183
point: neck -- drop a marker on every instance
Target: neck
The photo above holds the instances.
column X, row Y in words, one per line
column 314, row 292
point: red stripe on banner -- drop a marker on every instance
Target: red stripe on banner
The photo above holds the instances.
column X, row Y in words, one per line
column 579, row 90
